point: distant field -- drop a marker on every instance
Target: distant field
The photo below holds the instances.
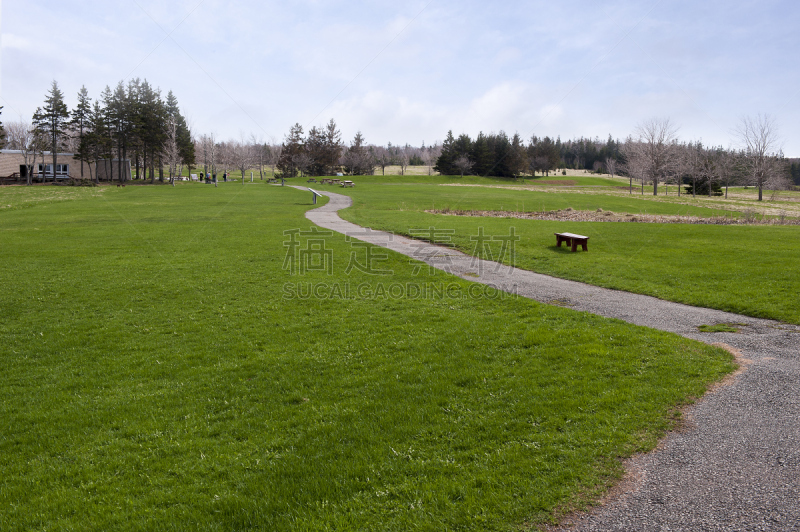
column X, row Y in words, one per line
column 744, row 269
column 161, row 370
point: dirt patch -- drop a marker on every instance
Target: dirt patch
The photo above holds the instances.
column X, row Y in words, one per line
column 571, row 215
column 559, row 182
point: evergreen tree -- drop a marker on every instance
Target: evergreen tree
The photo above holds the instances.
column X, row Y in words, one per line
column 333, row 147
column 2, row 131
column 153, row 119
column 80, row 116
column 501, row 151
column 51, row 121
column 292, row 148
column 445, row 162
column 517, row 157
column 315, row 148
column 481, row 156
column 184, row 136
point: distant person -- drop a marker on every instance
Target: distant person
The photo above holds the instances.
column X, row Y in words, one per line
column 225, row 177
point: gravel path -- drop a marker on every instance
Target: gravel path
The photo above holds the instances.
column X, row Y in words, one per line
column 735, row 466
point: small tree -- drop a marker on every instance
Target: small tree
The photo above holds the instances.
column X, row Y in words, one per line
column 611, row 166
column 761, row 143
column 242, row 155
column 463, row 164
column 657, row 138
column 24, row 137
column 302, row 162
column 402, row 156
column 172, row 152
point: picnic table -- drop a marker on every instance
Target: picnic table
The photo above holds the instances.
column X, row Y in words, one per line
column 348, row 184
column 312, row 180
column 272, row 180
column 326, row 181
column 335, row 181
column 572, row 240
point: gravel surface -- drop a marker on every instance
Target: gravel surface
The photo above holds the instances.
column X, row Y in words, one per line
column 736, row 464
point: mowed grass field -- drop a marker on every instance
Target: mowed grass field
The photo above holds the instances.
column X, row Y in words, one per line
column 749, row 270
column 161, row 370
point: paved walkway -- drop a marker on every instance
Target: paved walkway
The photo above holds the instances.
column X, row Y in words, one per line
column 735, row 467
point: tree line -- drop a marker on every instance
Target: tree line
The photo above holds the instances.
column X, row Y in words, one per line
column 497, row 154
column 322, row 152
column 133, row 123
column 653, row 154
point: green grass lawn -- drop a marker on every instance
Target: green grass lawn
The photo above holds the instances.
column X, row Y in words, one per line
column 162, row 371
column 750, row 270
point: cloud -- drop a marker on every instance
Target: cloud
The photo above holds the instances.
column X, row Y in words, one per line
column 571, row 68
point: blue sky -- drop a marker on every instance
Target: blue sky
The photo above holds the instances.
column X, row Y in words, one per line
column 408, row 71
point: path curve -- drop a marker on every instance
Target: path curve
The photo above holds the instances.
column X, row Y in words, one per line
column 735, row 467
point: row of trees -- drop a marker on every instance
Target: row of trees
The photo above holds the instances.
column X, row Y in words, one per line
column 496, row 154
column 654, row 155
column 322, row 152
column 132, row 122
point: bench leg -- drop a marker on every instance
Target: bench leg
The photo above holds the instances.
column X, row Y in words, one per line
column 585, row 246
column 558, row 241
column 574, row 245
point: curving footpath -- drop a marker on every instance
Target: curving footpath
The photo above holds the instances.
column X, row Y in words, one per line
column 736, row 464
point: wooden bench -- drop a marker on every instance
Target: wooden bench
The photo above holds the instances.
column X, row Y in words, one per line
column 312, row 180
column 573, row 240
column 348, row 184
column 326, row 181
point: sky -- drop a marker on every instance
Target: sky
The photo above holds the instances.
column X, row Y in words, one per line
column 407, row 71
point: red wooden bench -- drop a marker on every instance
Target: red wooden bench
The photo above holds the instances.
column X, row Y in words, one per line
column 573, row 240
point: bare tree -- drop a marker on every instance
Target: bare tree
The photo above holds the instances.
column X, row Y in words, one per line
column 431, row 155
column 761, row 144
column 302, row 161
column 273, row 153
column 403, row 155
column 611, row 166
column 657, row 137
column 23, row 136
column 383, row 158
column 172, row 153
column 635, row 165
column 463, row 164
column 726, row 167
column 257, row 147
column 241, row 153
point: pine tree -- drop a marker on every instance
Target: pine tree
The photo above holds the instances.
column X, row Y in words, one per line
column 481, row 155
column 185, row 144
column 445, row 162
column 51, row 121
column 333, row 147
column 292, row 148
column 2, row 131
column 80, row 116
